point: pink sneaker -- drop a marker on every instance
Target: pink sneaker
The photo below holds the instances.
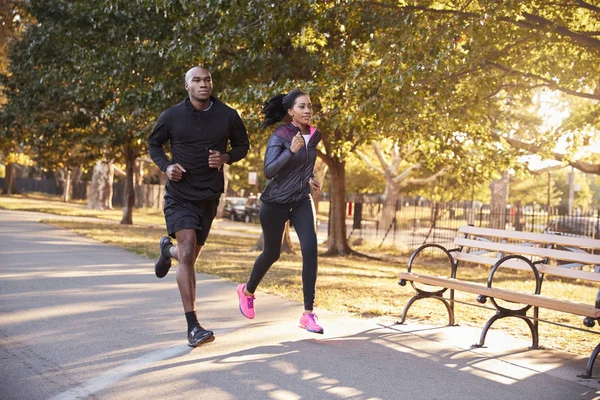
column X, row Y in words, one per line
column 246, row 302
column 310, row 322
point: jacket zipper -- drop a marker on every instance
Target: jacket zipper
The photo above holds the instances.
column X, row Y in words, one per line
column 304, row 168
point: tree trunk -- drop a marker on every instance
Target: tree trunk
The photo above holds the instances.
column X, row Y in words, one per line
column 286, row 242
column 101, row 190
column 388, row 212
column 77, row 186
column 130, row 157
column 320, row 173
column 67, row 186
column 260, row 243
column 10, row 181
column 138, row 173
column 221, row 206
column 499, row 201
column 337, row 243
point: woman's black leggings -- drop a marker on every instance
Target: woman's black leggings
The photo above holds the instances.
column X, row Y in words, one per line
column 272, row 219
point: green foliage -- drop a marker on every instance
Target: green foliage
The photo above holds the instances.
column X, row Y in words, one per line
column 534, row 190
column 595, row 187
column 583, row 192
column 88, row 79
column 361, row 179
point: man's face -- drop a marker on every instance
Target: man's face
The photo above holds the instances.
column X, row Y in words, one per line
column 198, row 83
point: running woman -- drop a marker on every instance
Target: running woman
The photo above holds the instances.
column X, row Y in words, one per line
column 289, row 163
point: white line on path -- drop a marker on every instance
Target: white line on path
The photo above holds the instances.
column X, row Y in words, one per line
column 94, row 385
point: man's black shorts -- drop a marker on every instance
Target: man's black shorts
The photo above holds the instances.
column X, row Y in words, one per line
column 185, row 214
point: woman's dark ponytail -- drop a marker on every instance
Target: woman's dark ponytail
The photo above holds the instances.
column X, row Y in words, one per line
column 276, row 108
column 273, row 111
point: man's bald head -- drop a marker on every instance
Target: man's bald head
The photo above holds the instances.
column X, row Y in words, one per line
column 197, row 70
column 198, row 83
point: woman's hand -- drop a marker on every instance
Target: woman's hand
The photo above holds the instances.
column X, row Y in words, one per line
column 315, row 184
column 297, row 143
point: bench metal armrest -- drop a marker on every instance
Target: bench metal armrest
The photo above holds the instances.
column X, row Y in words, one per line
column 498, row 264
column 437, row 246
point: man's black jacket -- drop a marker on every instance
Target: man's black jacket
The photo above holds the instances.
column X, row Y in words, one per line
column 191, row 134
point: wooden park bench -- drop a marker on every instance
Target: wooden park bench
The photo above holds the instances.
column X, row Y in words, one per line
column 541, row 254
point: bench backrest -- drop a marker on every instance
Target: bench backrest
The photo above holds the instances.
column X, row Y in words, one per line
column 486, row 246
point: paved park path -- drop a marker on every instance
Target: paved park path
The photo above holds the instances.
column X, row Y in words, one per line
column 81, row 319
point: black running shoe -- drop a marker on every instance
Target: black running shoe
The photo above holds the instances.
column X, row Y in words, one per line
column 199, row 335
column 163, row 264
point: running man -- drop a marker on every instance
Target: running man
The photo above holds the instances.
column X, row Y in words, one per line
column 199, row 130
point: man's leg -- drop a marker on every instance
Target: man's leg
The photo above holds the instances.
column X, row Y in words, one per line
column 186, row 253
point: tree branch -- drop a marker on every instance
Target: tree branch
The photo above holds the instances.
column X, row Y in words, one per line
column 550, row 83
column 325, row 157
column 530, row 21
column 446, row 77
column 588, row 6
column 582, row 39
column 370, row 164
column 424, row 181
column 547, row 169
column 381, row 157
column 583, row 166
column 399, row 178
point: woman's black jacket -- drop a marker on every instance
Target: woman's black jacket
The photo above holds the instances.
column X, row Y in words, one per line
column 288, row 173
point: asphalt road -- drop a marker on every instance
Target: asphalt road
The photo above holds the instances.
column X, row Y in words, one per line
column 81, row 319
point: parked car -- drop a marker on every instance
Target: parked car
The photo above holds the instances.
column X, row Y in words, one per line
column 241, row 209
column 234, row 208
column 574, row 226
column 251, row 210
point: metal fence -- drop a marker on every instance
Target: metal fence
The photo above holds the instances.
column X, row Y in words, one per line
column 146, row 195
column 412, row 223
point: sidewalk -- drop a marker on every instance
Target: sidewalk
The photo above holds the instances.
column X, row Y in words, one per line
column 81, row 319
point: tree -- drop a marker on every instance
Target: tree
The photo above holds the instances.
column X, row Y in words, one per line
column 113, row 74
column 347, row 67
column 397, row 175
column 518, row 49
column 42, row 114
column 9, row 29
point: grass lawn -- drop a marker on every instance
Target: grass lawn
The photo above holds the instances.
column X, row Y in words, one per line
column 347, row 285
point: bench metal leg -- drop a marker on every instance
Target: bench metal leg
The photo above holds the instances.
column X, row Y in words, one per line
column 406, row 307
column 590, row 364
column 500, row 315
column 533, row 326
column 485, row 330
column 420, row 296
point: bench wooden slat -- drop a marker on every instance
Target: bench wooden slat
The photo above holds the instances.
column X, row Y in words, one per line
column 520, row 265
column 508, row 295
column 565, row 255
column 585, row 243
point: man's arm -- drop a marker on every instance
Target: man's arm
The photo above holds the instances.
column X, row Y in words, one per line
column 156, row 142
column 238, row 139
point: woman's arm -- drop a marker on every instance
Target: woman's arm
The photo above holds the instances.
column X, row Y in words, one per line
column 277, row 156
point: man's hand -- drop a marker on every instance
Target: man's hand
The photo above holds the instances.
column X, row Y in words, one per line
column 217, row 159
column 175, row 172
column 315, row 184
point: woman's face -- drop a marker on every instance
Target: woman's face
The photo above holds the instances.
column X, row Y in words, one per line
column 301, row 111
